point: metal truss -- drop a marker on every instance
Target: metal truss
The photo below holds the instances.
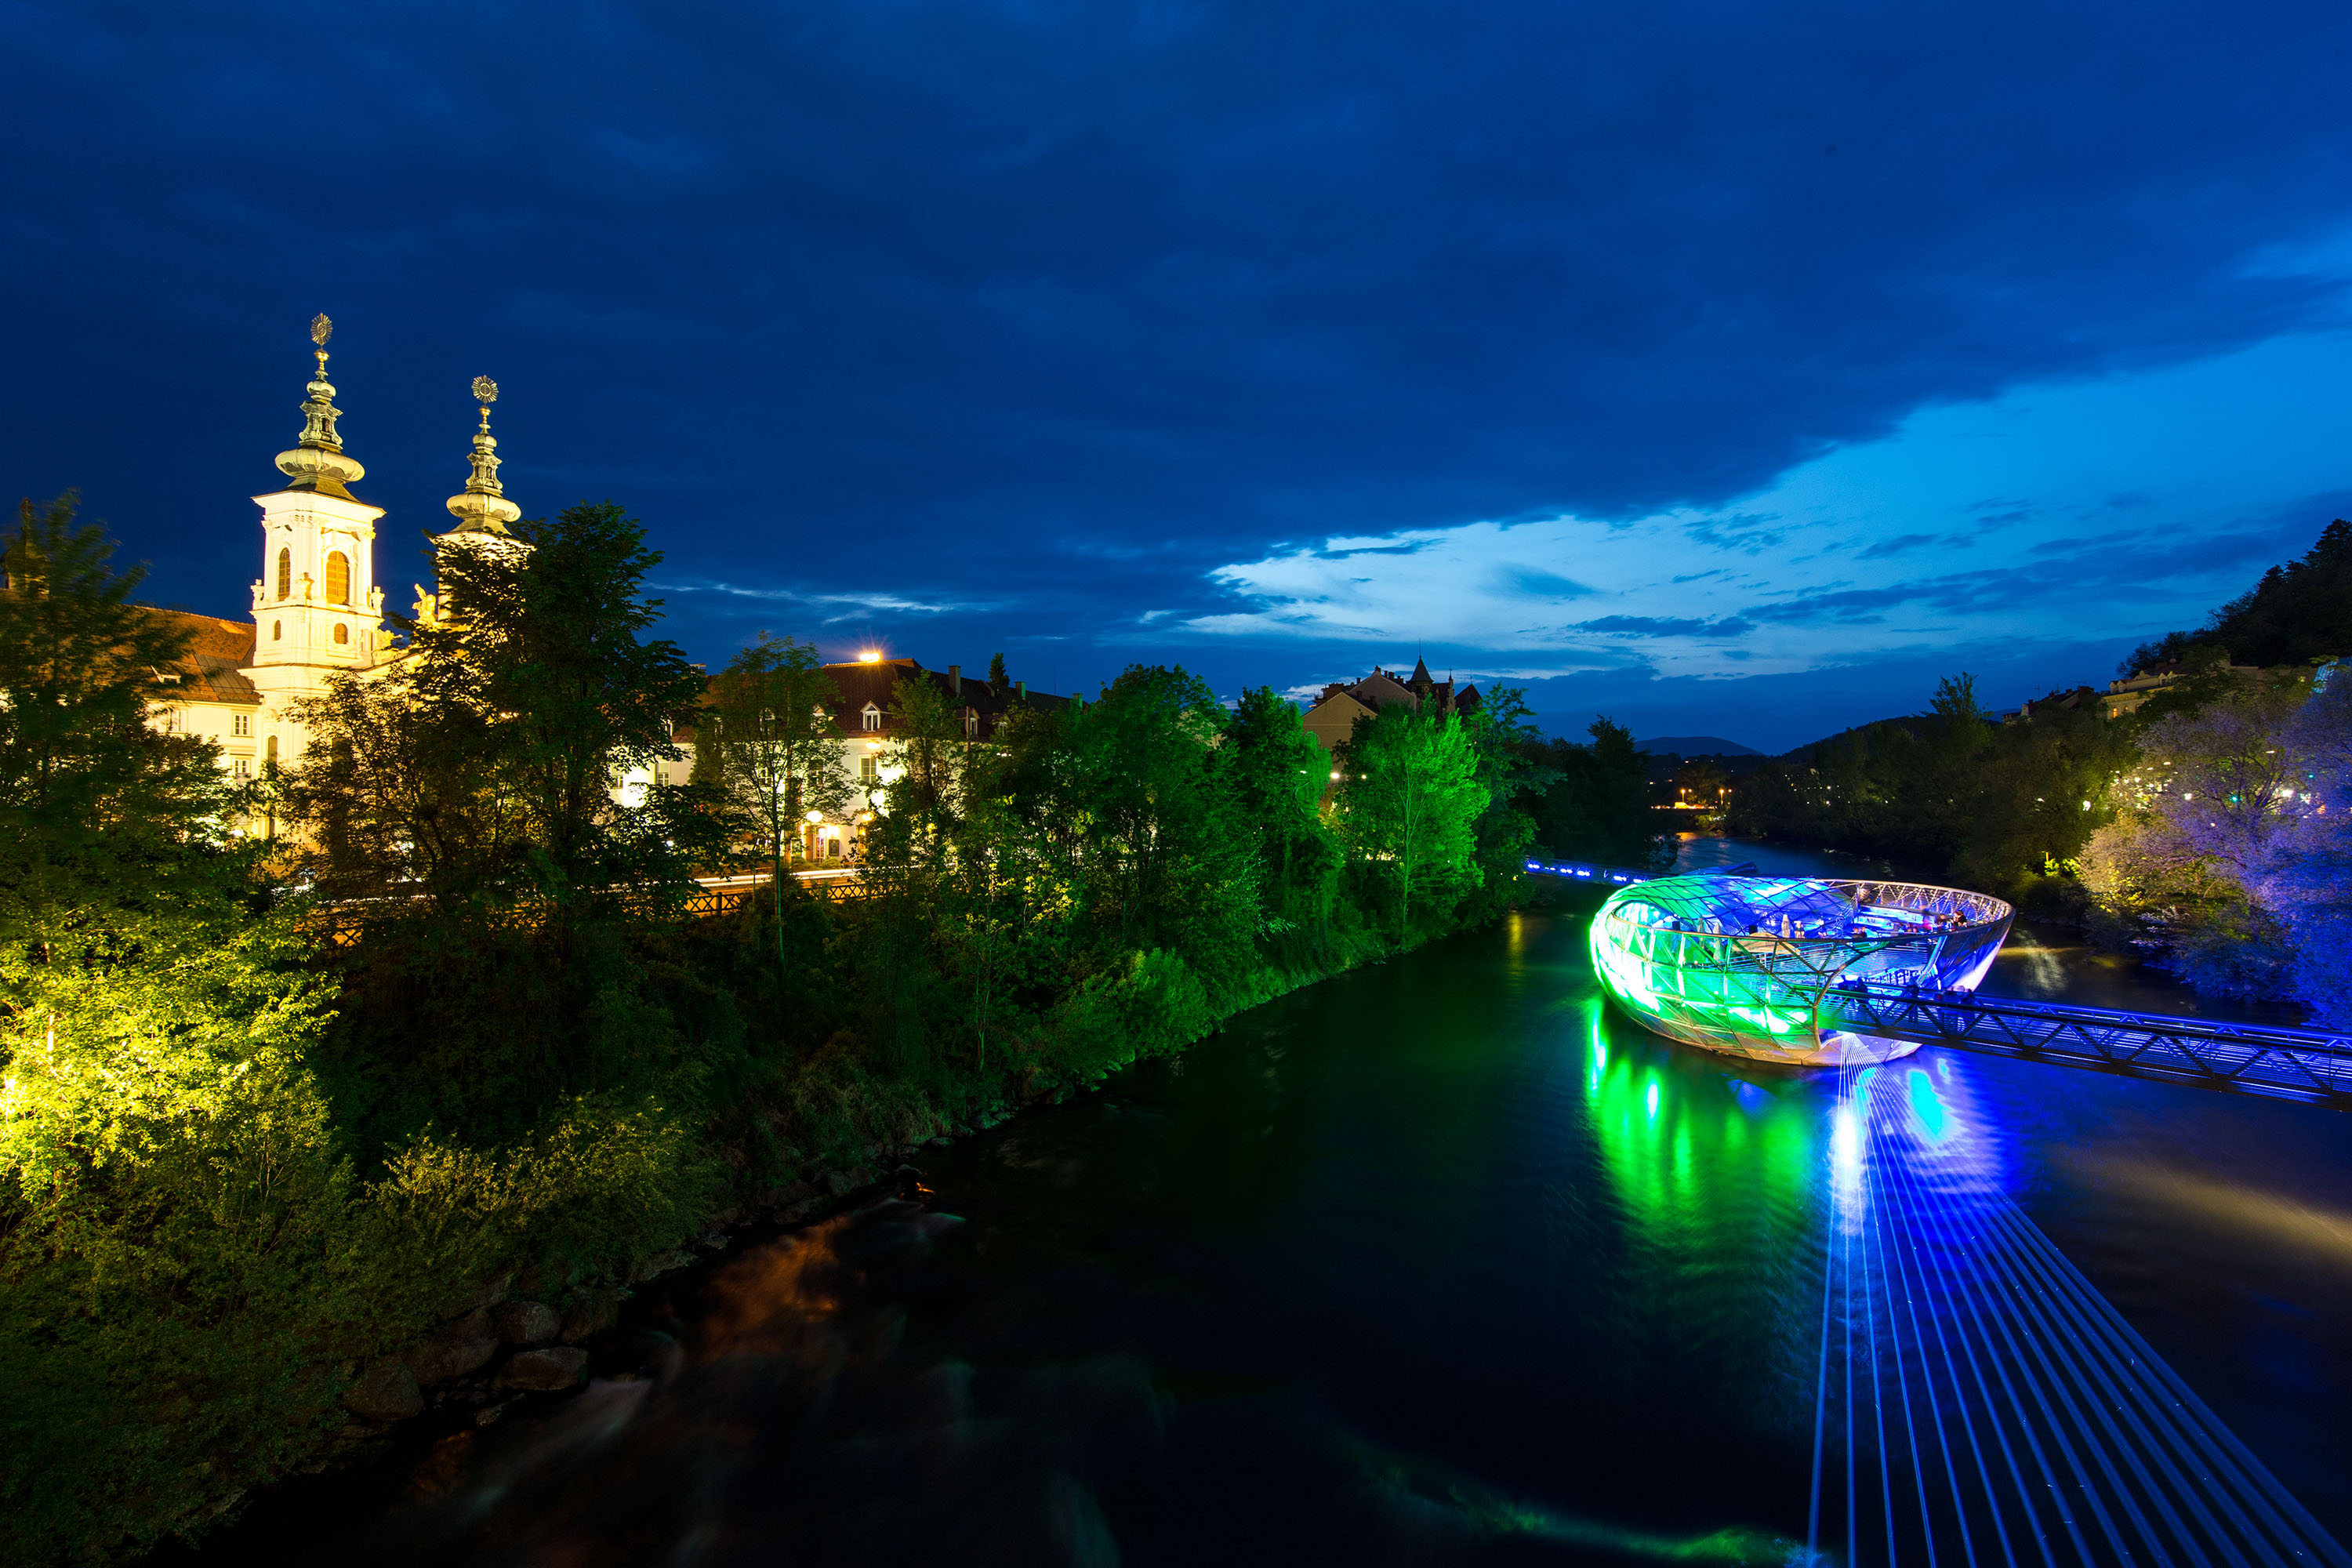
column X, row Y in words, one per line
column 2251, row 1058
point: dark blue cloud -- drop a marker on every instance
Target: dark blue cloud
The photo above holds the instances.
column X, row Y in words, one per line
column 1031, row 314
column 1665, row 626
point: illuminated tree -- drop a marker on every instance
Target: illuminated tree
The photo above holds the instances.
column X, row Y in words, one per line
column 768, row 739
column 1274, row 773
column 1408, row 808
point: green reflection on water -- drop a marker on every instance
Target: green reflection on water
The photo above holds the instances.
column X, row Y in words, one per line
column 1717, row 1169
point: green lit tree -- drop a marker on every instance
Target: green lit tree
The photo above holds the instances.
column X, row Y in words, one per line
column 1409, row 804
column 1274, row 773
column 1515, row 771
column 173, row 1207
column 767, row 738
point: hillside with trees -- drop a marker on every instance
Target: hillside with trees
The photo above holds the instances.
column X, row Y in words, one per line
column 2207, row 830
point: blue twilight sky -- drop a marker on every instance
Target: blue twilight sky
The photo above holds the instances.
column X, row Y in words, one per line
column 1728, row 368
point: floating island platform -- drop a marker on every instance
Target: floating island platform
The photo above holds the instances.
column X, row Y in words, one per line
column 1739, row 965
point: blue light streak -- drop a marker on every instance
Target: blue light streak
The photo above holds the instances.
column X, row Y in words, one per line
column 1977, row 1397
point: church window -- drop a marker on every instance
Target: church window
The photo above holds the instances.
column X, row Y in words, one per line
column 241, row 724
column 339, row 579
column 285, row 572
column 342, row 632
column 269, row 752
column 277, row 630
column 873, row 716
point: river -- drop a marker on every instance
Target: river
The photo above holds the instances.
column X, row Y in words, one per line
column 1440, row 1262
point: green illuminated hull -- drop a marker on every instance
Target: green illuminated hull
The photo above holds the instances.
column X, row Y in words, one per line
column 1737, row 965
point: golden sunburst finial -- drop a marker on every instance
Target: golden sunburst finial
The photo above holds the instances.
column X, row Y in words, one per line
column 321, row 329
column 484, row 390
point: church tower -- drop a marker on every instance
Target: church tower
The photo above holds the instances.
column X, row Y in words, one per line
column 481, row 508
column 316, row 608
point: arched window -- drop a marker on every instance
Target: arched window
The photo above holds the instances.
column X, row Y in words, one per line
column 285, row 572
column 338, row 582
column 873, row 716
column 277, row 628
column 342, row 632
column 270, row 750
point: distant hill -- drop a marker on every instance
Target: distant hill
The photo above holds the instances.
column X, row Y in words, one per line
column 1694, row 746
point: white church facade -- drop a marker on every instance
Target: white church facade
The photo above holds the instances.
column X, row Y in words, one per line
column 318, row 609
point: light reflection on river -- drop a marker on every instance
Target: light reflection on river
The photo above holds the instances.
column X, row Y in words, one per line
column 1440, row 1262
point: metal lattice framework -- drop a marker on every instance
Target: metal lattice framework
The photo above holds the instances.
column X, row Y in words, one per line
column 1739, row 965
column 2254, row 1058
column 2272, row 1059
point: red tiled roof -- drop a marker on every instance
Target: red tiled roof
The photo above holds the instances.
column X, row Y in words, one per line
column 218, row 652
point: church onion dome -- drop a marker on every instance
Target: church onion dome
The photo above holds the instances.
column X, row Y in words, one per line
column 482, row 508
column 318, row 463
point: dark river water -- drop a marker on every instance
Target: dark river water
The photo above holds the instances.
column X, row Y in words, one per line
column 1440, row 1262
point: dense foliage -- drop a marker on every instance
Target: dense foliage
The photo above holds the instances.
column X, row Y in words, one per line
column 2207, row 830
column 1596, row 803
column 272, row 1107
column 2300, row 611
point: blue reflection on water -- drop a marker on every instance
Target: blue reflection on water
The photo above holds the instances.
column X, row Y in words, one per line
column 1928, row 1109
column 1978, row 1396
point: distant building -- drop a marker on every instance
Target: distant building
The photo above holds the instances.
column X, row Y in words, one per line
column 1332, row 718
column 868, row 722
column 2060, row 701
column 2126, row 694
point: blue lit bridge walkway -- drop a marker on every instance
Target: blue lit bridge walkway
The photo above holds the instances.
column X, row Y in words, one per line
column 2253, row 1058
column 1977, row 1399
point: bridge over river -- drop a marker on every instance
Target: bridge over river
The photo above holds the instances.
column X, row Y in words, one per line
column 2275, row 1060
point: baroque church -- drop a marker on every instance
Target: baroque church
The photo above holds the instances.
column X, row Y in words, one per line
column 318, row 610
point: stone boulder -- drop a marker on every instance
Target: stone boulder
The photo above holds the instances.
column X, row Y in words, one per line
column 661, row 1263
column 527, row 1322
column 463, row 1344
column 493, row 1288
column 386, row 1391
column 544, row 1370
column 592, row 1311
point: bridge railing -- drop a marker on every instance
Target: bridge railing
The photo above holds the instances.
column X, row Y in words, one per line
column 346, row 924
column 2273, row 1059
column 1580, row 871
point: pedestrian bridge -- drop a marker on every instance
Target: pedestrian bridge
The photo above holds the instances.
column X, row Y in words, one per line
column 2275, row 1060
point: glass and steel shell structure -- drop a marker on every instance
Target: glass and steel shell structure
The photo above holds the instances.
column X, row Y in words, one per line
column 1739, row 965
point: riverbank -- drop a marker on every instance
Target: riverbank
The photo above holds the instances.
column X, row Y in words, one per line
column 1433, row 1263
column 524, row 1320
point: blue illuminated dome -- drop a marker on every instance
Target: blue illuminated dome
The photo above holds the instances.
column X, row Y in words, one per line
column 1739, row 965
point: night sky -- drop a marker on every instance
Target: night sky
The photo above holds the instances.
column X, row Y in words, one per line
column 1732, row 369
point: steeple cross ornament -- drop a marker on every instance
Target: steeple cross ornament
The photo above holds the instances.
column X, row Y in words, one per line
column 321, row 329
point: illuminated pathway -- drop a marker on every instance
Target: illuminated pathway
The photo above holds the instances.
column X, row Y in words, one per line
column 2254, row 1058
column 1977, row 1401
